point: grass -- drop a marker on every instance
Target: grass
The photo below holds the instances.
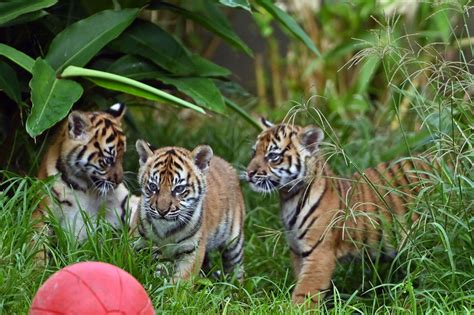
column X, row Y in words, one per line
column 432, row 273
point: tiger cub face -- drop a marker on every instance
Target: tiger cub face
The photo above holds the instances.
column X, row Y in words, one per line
column 173, row 181
column 95, row 147
column 280, row 154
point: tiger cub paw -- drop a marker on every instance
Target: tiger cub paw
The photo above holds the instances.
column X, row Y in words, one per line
column 301, row 298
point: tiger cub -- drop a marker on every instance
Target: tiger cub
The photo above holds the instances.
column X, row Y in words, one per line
column 326, row 217
column 87, row 154
column 191, row 204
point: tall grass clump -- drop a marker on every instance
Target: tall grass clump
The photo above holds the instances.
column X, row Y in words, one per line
column 429, row 93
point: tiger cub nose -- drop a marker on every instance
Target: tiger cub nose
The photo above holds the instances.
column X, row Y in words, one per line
column 163, row 212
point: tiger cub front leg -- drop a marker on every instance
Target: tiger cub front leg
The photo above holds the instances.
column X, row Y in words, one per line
column 315, row 275
column 189, row 263
column 233, row 256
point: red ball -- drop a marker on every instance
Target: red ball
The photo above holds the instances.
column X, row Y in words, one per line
column 91, row 288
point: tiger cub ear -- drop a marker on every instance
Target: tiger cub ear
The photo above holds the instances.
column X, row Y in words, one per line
column 202, row 156
column 117, row 110
column 78, row 125
column 144, row 151
column 265, row 124
column 311, row 137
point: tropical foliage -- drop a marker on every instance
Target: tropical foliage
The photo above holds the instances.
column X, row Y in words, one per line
column 113, row 45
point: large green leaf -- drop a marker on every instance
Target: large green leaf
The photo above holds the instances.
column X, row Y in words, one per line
column 12, row 9
column 81, row 41
column 202, row 90
column 289, row 23
column 126, row 88
column 151, row 41
column 134, row 67
column 9, row 82
column 208, row 15
column 244, row 4
column 24, row 61
column 138, row 68
column 206, row 68
column 51, row 98
column 127, row 85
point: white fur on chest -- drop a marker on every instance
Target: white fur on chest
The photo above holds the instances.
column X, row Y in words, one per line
column 75, row 208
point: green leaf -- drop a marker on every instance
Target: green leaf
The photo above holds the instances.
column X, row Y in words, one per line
column 135, row 68
column 210, row 17
column 138, row 68
column 289, row 23
column 244, row 4
column 127, row 85
column 25, row 18
column 51, row 98
column 202, row 90
column 23, row 60
column 81, row 41
column 126, row 88
column 13, row 9
column 95, row 6
column 9, row 82
column 206, row 68
column 151, row 41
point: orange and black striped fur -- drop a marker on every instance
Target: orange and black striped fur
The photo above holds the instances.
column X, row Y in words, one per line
column 191, row 204
column 326, row 217
column 86, row 156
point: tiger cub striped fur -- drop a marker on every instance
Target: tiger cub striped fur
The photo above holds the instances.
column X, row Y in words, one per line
column 326, row 217
column 86, row 154
column 191, row 204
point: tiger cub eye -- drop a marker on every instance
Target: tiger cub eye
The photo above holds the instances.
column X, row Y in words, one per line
column 152, row 187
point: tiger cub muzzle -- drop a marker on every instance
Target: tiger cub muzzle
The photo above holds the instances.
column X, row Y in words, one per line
column 163, row 205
